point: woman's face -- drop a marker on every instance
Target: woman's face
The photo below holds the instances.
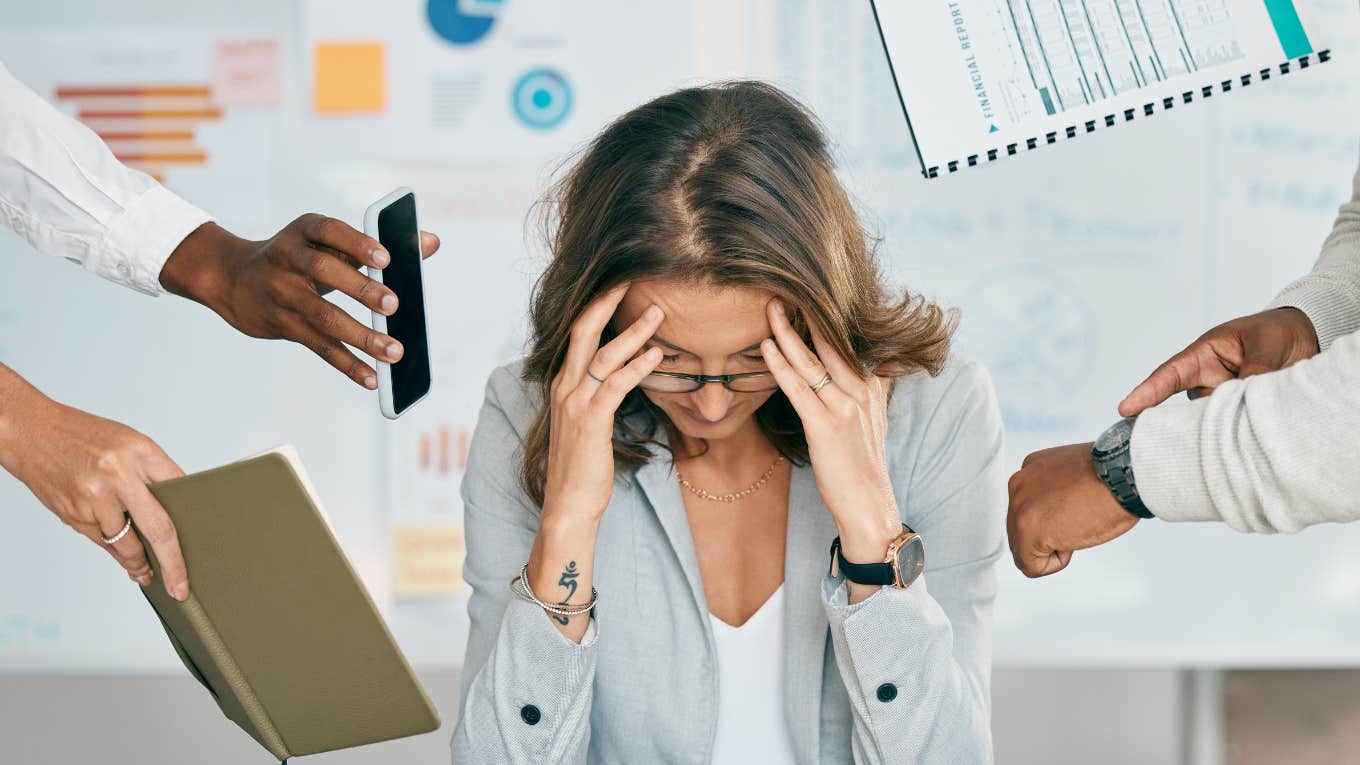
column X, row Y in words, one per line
column 710, row 331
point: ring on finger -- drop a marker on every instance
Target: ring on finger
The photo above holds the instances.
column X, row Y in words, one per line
column 116, row 537
column 822, row 383
column 592, row 376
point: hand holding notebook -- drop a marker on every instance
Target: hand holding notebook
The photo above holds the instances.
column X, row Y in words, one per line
column 277, row 626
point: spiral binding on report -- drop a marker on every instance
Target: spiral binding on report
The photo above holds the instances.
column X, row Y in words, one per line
column 1128, row 115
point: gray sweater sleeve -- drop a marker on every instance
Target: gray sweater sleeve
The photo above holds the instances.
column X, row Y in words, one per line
column 1262, row 454
column 931, row 642
column 1266, row 454
column 1330, row 294
column 515, row 657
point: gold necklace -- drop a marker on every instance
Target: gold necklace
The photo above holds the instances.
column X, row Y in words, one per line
column 734, row 496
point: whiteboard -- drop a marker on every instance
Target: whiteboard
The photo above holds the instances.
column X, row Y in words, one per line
column 1076, row 268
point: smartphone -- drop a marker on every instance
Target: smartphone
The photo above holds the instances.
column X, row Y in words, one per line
column 393, row 222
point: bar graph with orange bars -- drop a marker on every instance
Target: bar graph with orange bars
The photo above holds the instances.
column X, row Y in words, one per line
column 149, row 127
column 445, row 451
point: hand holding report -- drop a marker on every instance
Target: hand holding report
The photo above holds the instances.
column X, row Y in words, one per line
column 981, row 79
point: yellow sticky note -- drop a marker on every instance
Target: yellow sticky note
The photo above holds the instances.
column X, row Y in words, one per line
column 348, row 78
column 427, row 560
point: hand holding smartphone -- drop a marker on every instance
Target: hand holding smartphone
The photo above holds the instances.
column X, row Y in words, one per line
column 392, row 221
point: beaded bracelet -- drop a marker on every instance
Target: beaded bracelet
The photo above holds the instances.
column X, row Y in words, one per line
column 520, row 586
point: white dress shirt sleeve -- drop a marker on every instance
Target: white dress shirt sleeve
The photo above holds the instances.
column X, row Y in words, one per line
column 63, row 190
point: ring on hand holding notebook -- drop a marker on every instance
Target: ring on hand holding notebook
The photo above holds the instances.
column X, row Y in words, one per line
column 126, row 528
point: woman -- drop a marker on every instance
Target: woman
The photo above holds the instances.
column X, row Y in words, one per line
column 691, row 429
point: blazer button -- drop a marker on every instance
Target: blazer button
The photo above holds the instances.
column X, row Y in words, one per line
column 887, row 692
column 530, row 714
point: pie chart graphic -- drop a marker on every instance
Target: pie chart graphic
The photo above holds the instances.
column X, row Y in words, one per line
column 541, row 99
column 462, row 22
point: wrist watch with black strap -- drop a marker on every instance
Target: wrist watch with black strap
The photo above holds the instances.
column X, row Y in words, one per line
column 901, row 564
column 1112, row 455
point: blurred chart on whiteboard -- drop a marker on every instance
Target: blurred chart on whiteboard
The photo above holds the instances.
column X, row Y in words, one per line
column 983, row 79
column 191, row 107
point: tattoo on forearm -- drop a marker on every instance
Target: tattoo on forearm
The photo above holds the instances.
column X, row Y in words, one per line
column 568, row 582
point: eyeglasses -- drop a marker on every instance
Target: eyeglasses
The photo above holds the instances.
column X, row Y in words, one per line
column 675, row 382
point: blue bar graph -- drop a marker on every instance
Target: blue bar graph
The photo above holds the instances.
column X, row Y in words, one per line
column 1048, row 102
column 1068, row 53
column 1289, row 28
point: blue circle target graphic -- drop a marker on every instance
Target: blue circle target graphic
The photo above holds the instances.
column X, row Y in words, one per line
column 541, row 99
column 462, row 22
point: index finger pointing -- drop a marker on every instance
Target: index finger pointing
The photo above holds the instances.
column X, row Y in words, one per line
column 1174, row 375
column 343, row 238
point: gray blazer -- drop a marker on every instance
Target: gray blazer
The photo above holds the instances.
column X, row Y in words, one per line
column 903, row 676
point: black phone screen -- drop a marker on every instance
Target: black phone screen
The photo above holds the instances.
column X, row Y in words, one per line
column 398, row 232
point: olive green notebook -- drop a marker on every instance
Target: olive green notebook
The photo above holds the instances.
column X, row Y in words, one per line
column 277, row 626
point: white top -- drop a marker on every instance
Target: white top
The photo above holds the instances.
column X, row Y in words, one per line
column 63, row 190
column 751, row 725
column 1274, row 452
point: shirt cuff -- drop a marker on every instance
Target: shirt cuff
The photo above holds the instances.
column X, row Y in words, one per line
column 1333, row 311
column 141, row 239
column 1167, row 463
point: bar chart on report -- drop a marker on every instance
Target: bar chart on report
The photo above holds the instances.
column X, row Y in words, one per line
column 981, row 79
column 1067, row 53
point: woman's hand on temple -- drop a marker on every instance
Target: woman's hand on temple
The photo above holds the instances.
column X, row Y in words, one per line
column 580, row 449
column 846, row 423
column 586, row 394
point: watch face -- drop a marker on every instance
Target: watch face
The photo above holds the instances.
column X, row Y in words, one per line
column 911, row 559
column 1117, row 437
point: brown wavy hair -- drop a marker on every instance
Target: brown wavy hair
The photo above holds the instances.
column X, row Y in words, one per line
column 730, row 184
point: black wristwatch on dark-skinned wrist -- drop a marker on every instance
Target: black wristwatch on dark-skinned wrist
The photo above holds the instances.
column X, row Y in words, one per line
column 1112, row 455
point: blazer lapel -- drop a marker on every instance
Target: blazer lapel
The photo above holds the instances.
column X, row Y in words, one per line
column 658, row 482
column 810, row 531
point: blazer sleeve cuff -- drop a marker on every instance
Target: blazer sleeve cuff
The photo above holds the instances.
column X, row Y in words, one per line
column 884, row 639
column 541, row 682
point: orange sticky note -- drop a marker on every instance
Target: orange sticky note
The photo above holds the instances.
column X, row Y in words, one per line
column 348, row 78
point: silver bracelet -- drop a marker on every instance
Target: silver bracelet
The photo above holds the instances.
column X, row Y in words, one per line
column 520, row 586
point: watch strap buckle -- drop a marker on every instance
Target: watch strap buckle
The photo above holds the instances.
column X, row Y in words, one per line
column 872, row 573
